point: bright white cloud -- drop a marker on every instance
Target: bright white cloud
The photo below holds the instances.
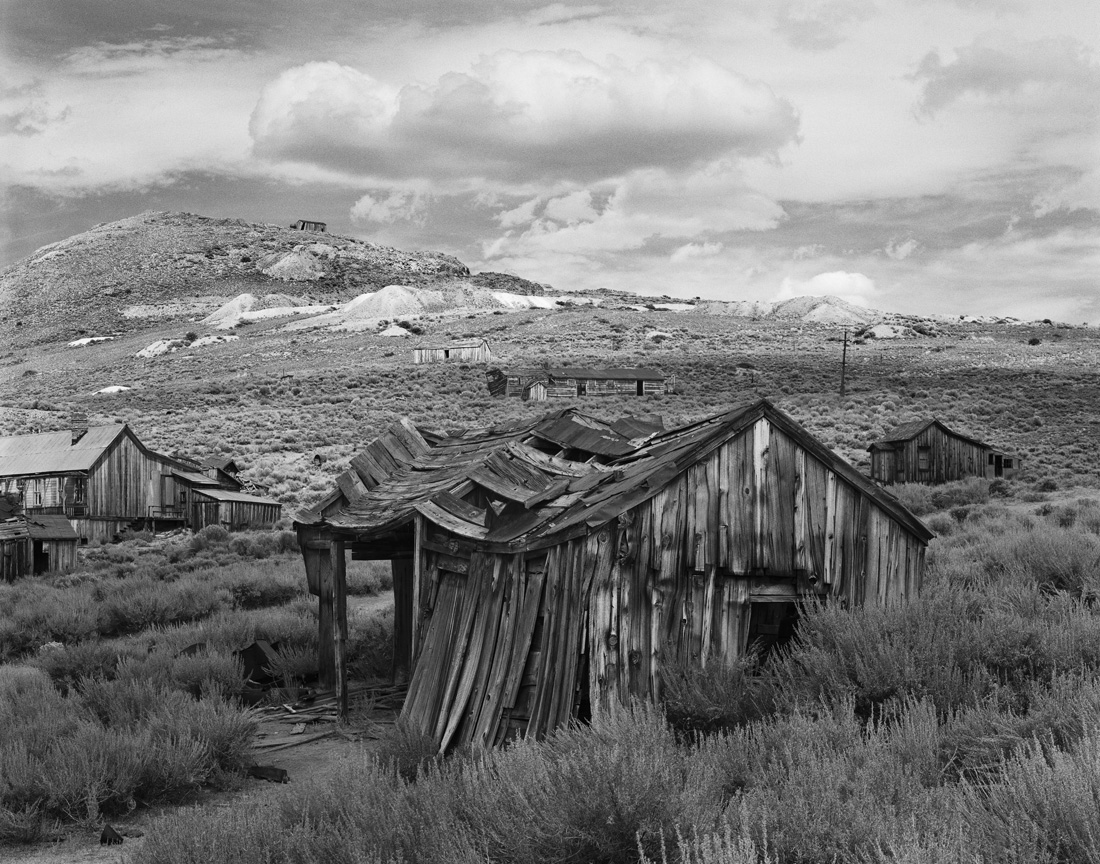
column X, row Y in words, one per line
column 696, row 250
column 572, row 208
column 396, row 205
column 850, row 287
column 515, row 117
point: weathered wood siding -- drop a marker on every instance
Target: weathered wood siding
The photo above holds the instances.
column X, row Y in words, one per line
column 126, row 482
column 54, row 492
column 760, row 518
column 234, row 515
column 947, row 457
column 571, row 387
column 14, row 559
column 516, row 644
column 457, row 353
column 62, row 554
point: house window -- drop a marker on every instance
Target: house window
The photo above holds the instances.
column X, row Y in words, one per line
column 990, row 458
column 582, row 388
column 923, row 457
column 1008, row 462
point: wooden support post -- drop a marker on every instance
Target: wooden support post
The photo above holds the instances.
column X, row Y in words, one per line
column 316, row 554
column 844, row 364
column 340, row 627
column 404, row 617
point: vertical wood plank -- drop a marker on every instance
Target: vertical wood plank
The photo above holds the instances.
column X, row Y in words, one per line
column 340, row 627
column 761, row 442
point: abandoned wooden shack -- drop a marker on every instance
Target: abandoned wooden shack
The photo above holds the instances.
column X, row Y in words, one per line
column 36, row 544
column 101, row 478
column 538, row 385
column 53, row 543
column 545, row 569
column 473, row 351
column 14, row 549
column 927, row 451
column 306, row 225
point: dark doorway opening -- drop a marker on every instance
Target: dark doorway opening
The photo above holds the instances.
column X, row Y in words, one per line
column 641, row 389
column 771, row 626
column 41, row 558
column 998, row 466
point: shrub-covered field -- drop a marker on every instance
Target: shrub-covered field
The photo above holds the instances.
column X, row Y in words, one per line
column 962, row 727
column 102, row 711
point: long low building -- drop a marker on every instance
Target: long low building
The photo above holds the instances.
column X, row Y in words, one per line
column 538, row 385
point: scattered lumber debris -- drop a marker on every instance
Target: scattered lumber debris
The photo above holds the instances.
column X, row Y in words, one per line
column 109, row 837
column 269, row 773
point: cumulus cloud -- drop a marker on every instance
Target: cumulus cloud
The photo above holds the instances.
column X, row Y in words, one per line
column 850, row 287
column 392, row 207
column 520, row 117
column 900, row 250
column 1004, row 68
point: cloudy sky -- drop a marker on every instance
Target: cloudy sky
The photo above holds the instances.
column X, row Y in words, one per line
column 911, row 155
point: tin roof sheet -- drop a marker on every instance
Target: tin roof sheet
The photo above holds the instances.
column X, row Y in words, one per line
column 50, row 527
column 55, row 452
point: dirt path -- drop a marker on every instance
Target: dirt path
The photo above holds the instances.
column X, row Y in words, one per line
column 312, row 751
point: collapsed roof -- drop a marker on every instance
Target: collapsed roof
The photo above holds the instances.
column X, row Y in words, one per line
column 551, row 479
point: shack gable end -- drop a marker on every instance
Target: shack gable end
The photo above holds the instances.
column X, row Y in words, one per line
column 933, row 455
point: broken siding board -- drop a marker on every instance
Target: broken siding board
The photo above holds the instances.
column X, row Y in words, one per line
column 535, row 579
column 469, row 700
column 455, row 662
column 551, row 611
column 484, row 733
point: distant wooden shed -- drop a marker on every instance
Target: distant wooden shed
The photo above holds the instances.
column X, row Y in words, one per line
column 545, row 570
column 473, row 351
column 306, row 225
column 928, row 451
column 570, row 382
column 232, row 510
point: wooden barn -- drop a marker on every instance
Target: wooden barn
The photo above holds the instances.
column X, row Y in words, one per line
column 544, row 570
column 473, row 351
column 567, row 383
column 927, row 451
column 102, row 479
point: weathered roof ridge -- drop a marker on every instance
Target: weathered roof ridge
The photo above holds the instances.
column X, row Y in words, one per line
column 908, row 431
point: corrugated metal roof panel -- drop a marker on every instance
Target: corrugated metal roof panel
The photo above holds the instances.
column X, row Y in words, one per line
column 54, row 452
column 573, row 432
column 234, row 497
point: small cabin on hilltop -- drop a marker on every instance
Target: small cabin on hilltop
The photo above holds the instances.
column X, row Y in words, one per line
column 306, row 225
column 928, row 451
column 472, row 351
column 537, row 385
column 546, row 569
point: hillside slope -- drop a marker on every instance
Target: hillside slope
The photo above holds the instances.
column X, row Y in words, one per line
column 186, row 265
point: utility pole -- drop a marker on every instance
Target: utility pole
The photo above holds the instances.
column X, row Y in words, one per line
column 844, row 363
